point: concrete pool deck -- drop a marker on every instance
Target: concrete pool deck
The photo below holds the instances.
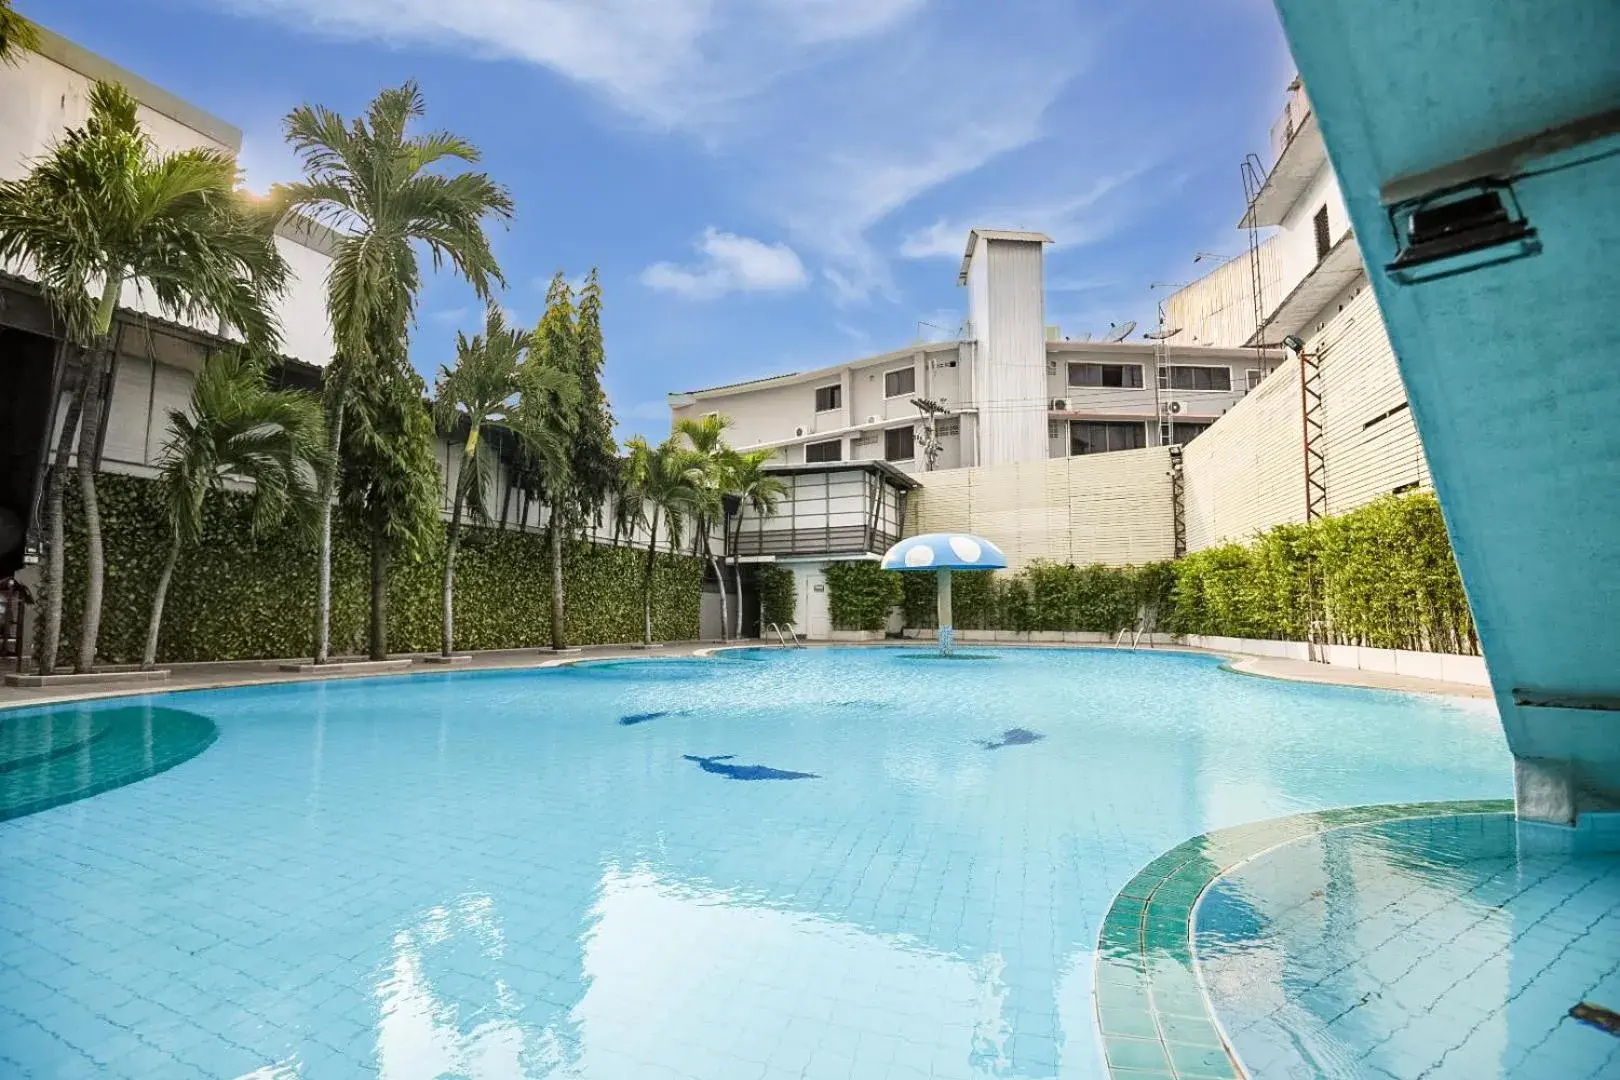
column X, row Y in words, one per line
column 219, row 674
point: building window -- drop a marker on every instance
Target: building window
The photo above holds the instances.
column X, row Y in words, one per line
column 901, row 382
column 829, row 398
column 1324, row 241
column 1183, row 432
column 899, row 444
column 831, row 450
column 1252, row 377
column 1183, row 377
column 948, row 428
column 1105, row 436
column 1054, row 429
column 1125, row 376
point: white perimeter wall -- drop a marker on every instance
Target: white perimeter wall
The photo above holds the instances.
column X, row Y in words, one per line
column 1113, row 509
column 1247, row 473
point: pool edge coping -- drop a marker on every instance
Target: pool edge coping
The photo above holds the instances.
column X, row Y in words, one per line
column 1234, row 664
column 1175, row 961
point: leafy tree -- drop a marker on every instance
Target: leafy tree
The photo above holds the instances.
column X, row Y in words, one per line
column 546, row 425
column 665, row 478
column 390, row 477
column 236, row 427
column 383, row 191
column 104, row 209
column 595, row 454
column 481, row 390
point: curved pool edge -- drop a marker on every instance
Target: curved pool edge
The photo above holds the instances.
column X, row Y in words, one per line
column 259, row 673
column 137, row 743
column 1152, row 1010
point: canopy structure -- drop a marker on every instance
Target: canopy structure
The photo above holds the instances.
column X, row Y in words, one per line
column 942, row 553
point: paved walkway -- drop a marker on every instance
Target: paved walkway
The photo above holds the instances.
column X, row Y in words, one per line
column 260, row 672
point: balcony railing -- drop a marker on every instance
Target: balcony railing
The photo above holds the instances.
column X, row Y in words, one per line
column 1294, row 112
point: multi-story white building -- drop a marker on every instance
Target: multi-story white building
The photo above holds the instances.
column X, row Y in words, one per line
column 1011, row 389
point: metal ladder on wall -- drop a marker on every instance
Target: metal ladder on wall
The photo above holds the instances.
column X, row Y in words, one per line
column 788, row 640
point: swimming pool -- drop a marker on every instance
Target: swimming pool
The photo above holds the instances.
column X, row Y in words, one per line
column 816, row 863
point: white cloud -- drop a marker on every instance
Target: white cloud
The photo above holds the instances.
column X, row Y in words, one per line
column 939, row 239
column 1069, row 220
column 730, row 263
column 831, row 114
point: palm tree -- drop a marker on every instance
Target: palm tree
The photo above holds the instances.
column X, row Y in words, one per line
column 663, row 477
column 104, row 209
column 545, row 423
column 376, row 186
column 481, row 390
column 714, row 460
column 17, row 35
column 236, row 427
column 757, row 488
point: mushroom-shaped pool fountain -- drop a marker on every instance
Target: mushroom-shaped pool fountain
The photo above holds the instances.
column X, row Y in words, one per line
column 941, row 553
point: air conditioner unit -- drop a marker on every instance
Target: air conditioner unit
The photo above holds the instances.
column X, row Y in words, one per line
column 798, row 431
column 872, row 419
column 1060, row 404
column 1175, row 407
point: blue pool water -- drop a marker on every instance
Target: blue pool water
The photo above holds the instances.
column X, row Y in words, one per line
column 807, row 864
column 1449, row 948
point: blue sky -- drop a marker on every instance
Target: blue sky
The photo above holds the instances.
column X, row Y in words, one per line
column 767, row 185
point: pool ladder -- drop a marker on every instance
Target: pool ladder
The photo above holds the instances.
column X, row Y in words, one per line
column 789, row 640
column 1119, row 639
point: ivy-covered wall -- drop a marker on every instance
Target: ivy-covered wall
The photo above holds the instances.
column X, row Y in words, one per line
column 234, row 598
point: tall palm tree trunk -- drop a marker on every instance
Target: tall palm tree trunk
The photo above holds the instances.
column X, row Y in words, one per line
column 736, row 573
column 720, row 579
column 647, row 581
column 323, row 599
column 450, row 548
column 379, row 587
column 56, row 539
column 95, row 568
column 559, row 639
column 149, row 657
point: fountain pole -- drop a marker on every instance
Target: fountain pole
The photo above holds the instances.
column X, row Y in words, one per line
column 947, row 633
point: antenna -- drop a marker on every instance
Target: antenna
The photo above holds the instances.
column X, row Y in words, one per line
column 930, row 410
column 1120, row 331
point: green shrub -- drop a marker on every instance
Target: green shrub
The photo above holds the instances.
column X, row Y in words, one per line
column 236, row 599
column 1381, row 575
column 861, row 594
column 778, row 600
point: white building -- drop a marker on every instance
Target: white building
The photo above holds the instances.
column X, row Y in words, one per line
column 1251, row 473
column 155, row 358
column 1011, row 390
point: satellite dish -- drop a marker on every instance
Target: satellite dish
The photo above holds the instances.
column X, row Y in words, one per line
column 1160, row 335
column 1120, row 331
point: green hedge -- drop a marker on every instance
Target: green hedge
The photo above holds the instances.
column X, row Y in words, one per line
column 236, row 599
column 860, row 595
column 1381, row 575
column 1045, row 596
column 778, row 601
